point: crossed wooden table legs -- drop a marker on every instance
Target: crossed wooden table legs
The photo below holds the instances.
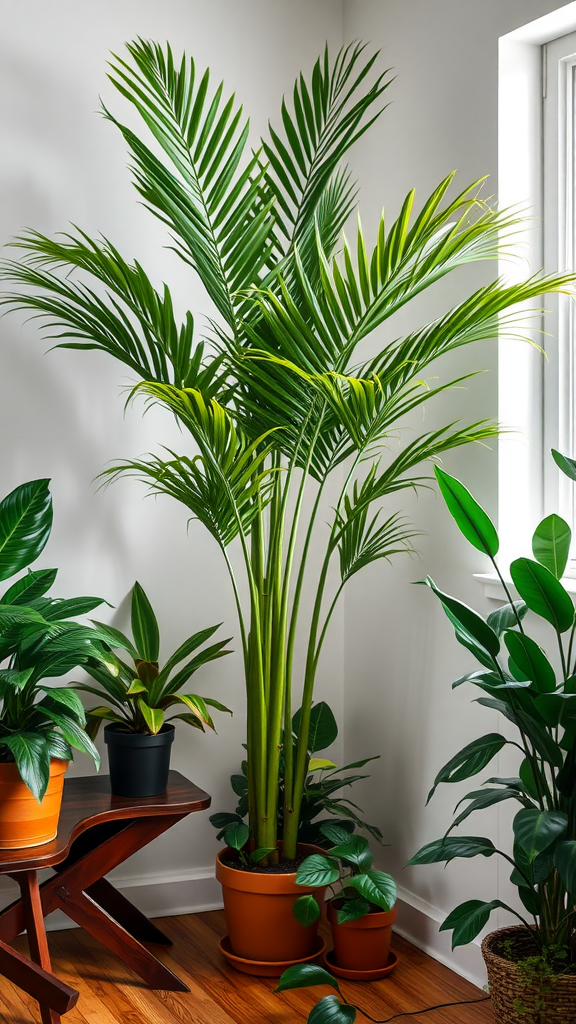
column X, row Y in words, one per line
column 78, row 887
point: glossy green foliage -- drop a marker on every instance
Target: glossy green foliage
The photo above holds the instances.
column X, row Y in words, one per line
column 536, row 694
column 38, row 641
column 138, row 694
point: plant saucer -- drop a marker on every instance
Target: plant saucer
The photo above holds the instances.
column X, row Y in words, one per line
column 266, row 968
column 350, row 975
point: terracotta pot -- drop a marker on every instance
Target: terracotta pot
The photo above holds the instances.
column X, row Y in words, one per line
column 515, row 999
column 23, row 821
column 362, row 945
column 258, row 907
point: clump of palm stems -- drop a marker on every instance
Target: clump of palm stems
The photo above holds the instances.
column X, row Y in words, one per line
column 277, row 399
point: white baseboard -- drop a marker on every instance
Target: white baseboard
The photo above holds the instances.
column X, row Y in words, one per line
column 418, row 921
column 167, row 894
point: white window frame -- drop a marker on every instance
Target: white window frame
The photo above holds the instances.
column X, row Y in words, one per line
column 529, row 485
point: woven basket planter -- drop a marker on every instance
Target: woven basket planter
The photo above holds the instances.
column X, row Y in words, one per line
column 517, row 1001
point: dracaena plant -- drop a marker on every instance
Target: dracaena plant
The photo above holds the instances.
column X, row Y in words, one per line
column 536, row 693
column 279, row 397
column 38, row 642
column 140, row 694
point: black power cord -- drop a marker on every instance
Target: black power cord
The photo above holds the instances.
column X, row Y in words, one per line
column 415, row 1013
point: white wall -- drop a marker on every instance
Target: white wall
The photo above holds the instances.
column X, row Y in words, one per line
column 61, row 415
column 400, row 655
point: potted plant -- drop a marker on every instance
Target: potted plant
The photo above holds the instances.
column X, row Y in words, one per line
column 138, row 696
column 40, row 724
column 280, row 395
column 531, row 966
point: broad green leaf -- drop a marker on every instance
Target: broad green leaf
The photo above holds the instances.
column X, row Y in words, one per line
column 306, row 910
column 468, row 621
column 318, row 764
column 136, row 687
column 68, row 698
column 32, row 759
column 154, row 717
column 542, row 592
column 531, row 660
column 482, row 798
column 114, row 638
column 12, row 679
column 25, row 524
column 354, row 850
column 558, row 709
column 352, row 910
column 58, row 747
column 536, row 830
column 568, row 466
column 305, row 975
column 331, row 1011
column 565, row 864
column 551, row 544
column 323, row 727
column 375, row 886
column 540, row 738
column 236, row 835
column 449, row 847
column 470, row 760
column 223, row 818
column 144, row 626
column 527, row 778
column 507, row 616
column 258, row 855
column 334, row 833
column 196, row 706
column 73, row 733
column 468, row 920
column 470, row 517
column 317, row 870
column 30, row 587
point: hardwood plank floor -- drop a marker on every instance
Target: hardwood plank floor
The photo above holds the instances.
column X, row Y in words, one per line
column 111, row 994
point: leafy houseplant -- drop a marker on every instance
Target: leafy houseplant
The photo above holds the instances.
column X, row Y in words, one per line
column 39, row 723
column 139, row 696
column 282, row 399
column 538, row 697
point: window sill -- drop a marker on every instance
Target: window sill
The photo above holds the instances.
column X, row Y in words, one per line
column 494, row 590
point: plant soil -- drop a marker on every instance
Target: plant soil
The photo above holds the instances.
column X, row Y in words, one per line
column 283, row 867
column 523, row 948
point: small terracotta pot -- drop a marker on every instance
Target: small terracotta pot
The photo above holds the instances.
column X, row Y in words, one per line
column 23, row 821
column 258, row 907
column 364, row 944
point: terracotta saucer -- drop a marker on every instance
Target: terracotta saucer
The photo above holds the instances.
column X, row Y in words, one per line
column 263, row 968
column 342, row 972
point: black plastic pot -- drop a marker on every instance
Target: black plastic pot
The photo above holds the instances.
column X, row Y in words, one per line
column 139, row 764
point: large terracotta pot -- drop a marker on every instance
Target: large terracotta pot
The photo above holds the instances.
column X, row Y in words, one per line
column 23, row 821
column 515, row 998
column 364, row 944
column 258, row 907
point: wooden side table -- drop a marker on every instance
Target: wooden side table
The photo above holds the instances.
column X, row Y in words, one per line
column 96, row 833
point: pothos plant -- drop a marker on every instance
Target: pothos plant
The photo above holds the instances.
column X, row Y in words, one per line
column 537, row 695
column 279, row 397
column 38, row 642
column 138, row 696
column 324, row 782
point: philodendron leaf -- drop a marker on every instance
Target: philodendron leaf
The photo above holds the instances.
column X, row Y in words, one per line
column 568, row 466
column 507, row 616
column 236, row 835
column 144, row 625
column 25, row 524
column 323, row 728
column 469, row 516
column 470, row 760
column 32, row 759
column 542, row 592
column 531, row 660
column 317, row 870
column 536, row 830
column 331, row 1011
column 565, row 864
column 468, row 920
column 376, row 886
column 306, row 910
column 467, row 621
column 551, row 544
column 303, row 975
column 335, row 833
column 354, row 850
column 449, row 847
column 352, row 910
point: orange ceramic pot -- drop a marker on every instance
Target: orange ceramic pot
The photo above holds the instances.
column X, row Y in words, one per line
column 364, row 944
column 258, row 907
column 23, row 821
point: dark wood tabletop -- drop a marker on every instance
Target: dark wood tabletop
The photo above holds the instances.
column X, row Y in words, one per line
column 88, row 802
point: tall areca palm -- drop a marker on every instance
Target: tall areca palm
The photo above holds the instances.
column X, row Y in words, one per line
column 277, row 399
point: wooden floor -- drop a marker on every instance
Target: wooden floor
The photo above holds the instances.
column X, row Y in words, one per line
column 111, row 994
